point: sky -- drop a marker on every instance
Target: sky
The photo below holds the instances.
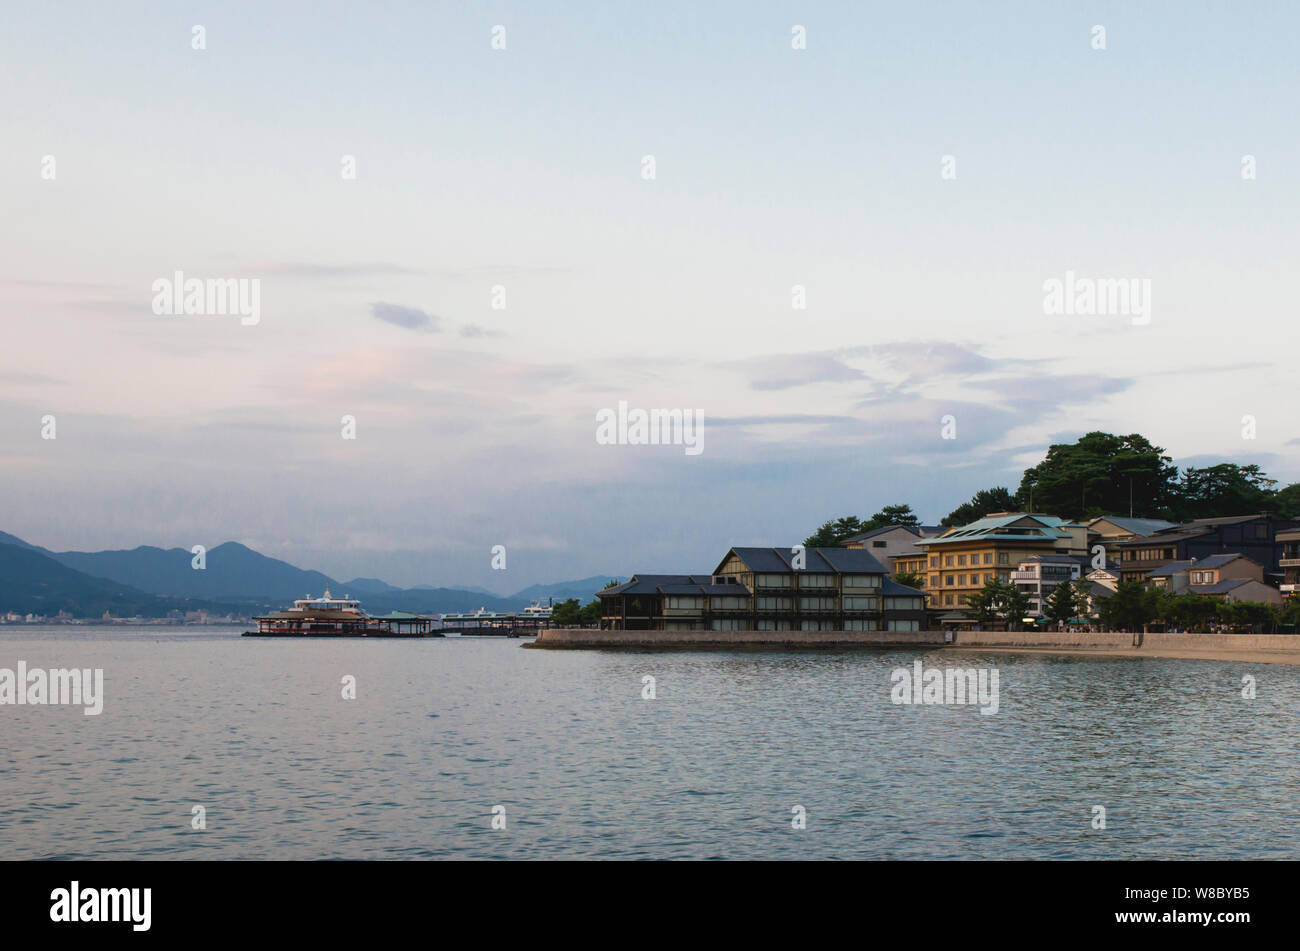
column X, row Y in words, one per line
column 500, row 268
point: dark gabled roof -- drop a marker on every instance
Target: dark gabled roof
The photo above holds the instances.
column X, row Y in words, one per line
column 775, row 560
column 1221, row 588
column 650, row 584
column 680, row 589
column 1197, row 526
column 891, row 588
column 675, row 584
column 850, row 561
column 817, row 561
column 1178, row 534
column 880, row 531
column 920, row 531
column 1169, row 570
column 717, row 590
column 1223, row 520
column 1138, row 526
column 712, row 590
column 1215, row 561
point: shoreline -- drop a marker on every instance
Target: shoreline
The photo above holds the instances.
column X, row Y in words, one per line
column 1245, row 648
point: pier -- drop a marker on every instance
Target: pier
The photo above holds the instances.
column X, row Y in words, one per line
column 511, row 625
column 1242, row 648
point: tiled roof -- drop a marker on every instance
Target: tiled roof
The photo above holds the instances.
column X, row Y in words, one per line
column 1138, row 526
column 1169, row 570
column 1221, row 588
column 880, row 531
column 817, row 560
column 1000, row 527
column 1162, row 538
column 1214, row 561
column 650, row 584
column 892, row 588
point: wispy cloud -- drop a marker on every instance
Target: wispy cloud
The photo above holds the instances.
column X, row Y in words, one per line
column 411, row 318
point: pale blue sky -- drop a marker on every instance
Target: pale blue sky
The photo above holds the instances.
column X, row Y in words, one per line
column 521, row 168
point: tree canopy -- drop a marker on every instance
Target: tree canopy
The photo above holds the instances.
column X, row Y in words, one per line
column 1103, row 474
column 985, row 501
column 836, row 531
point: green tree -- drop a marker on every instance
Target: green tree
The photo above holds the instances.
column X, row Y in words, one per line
column 1223, row 490
column 1013, row 605
column 838, row 530
column 997, row 499
column 892, row 515
column 1083, row 607
column 1286, row 502
column 1060, row 606
column 1130, row 608
column 910, row 579
column 567, row 613
column 834, row 532
column 1099, row 474
column 997, row 601
column 982, row 606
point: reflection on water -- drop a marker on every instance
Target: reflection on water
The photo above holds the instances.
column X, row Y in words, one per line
column 443, row 730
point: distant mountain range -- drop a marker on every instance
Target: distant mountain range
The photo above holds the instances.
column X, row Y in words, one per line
column 155, row 581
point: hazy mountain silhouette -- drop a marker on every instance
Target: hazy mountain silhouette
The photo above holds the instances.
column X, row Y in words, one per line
column 235, row 574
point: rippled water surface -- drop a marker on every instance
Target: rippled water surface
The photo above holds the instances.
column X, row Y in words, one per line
column 443, row 730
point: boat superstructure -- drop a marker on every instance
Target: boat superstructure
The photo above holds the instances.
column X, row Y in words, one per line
column 327, row 616
column 541, row 612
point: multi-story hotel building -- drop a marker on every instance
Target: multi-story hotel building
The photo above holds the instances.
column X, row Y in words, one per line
column 769, row 589
column 1039, row 575
column 1254, row 536
column 1289, row 561
column 961, row 560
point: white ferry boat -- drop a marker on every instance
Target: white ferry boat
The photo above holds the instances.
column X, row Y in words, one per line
column 328, row 616
column 538, row 611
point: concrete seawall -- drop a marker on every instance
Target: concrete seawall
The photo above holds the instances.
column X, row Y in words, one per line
column 1258, row 648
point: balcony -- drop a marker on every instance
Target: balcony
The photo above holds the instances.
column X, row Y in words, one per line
column 1024, row 576
column 1290, row 562
column 1289, row 588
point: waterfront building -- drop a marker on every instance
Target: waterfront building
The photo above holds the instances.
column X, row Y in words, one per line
column 894, row 546
column 1289, row 560
column 964, row 558
column 1254, row 536
column 1039, row 575
column 1231, row 577
column 769, row 589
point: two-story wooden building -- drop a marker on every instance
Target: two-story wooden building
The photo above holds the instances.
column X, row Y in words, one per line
column 769, row 589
